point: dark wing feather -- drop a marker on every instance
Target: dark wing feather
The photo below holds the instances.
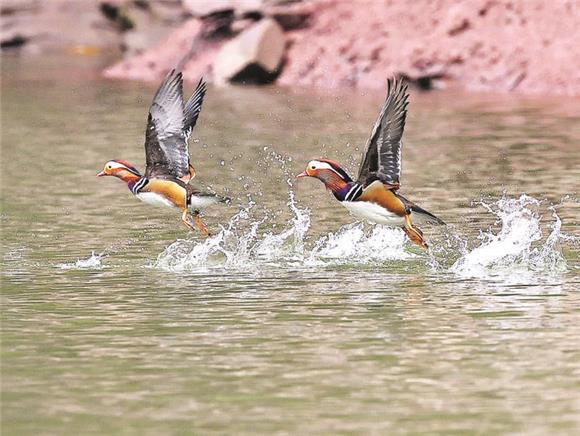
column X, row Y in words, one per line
column 382, row 158
column 193, row 107
column 165, row 140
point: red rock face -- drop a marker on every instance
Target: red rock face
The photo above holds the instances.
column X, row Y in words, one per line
column 521, row 45
column 155, row 62
column 528, row 46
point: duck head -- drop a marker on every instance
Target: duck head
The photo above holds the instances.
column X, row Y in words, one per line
column 120, row 169
column 328, row 172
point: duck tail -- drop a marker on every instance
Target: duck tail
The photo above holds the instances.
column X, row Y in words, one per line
column 426, row 216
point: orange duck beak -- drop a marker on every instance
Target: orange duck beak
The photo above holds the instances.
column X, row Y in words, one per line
column 303, row 174
column 101, row 174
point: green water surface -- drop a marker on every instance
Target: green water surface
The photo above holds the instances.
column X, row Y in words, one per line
column 404, row 346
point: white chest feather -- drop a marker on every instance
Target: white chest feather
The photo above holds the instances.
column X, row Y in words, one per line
column 154, row 199
column 373, row 213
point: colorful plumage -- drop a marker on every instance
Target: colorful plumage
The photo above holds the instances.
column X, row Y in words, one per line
column 168, row 169
column 373, row 196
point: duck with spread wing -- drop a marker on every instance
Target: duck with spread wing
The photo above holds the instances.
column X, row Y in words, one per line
column 374, row 195
column 168, row 169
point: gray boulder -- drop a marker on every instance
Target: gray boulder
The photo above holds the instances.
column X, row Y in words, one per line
column 254, row 56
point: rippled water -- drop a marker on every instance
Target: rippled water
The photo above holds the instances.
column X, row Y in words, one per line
column 292, row 318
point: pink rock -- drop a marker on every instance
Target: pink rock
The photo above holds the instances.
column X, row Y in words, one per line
column 525, row 45
column 201, row 8
column 528, row 46
column 177, row 49
column 289, row 15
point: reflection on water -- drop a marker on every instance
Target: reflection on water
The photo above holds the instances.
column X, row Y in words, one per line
column 292, row 317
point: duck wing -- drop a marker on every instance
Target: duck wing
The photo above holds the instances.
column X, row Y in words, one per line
column 168, row 128
column 193, row 107
column 382, row 158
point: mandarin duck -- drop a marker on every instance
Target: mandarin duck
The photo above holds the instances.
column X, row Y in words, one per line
column 168, row 169
column 374, row 195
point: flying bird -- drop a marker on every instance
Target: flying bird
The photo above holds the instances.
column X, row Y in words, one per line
column 168, row 169
column 374, row 196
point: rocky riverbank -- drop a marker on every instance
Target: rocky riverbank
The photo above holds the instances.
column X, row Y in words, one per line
column 526, row 46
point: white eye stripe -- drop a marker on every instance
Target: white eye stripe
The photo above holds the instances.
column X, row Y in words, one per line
column 112, row 165
column 315, row 164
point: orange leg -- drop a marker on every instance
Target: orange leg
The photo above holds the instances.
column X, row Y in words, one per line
column 202, row 228
column 413, row 233
column 186, row 221
column 186, row 218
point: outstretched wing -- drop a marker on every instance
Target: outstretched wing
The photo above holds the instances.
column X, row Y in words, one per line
column 382, row 158
column 166, row 149
column 193, row 107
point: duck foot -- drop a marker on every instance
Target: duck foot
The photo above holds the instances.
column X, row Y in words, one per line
column 200, row 224
column 186, row 218
column 414, row 233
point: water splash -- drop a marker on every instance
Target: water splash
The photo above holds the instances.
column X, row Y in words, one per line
column 351, row 244
column 290, row 242
column 243, row 246
column 247, row 243
column 517, row 248
column 92, row 262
